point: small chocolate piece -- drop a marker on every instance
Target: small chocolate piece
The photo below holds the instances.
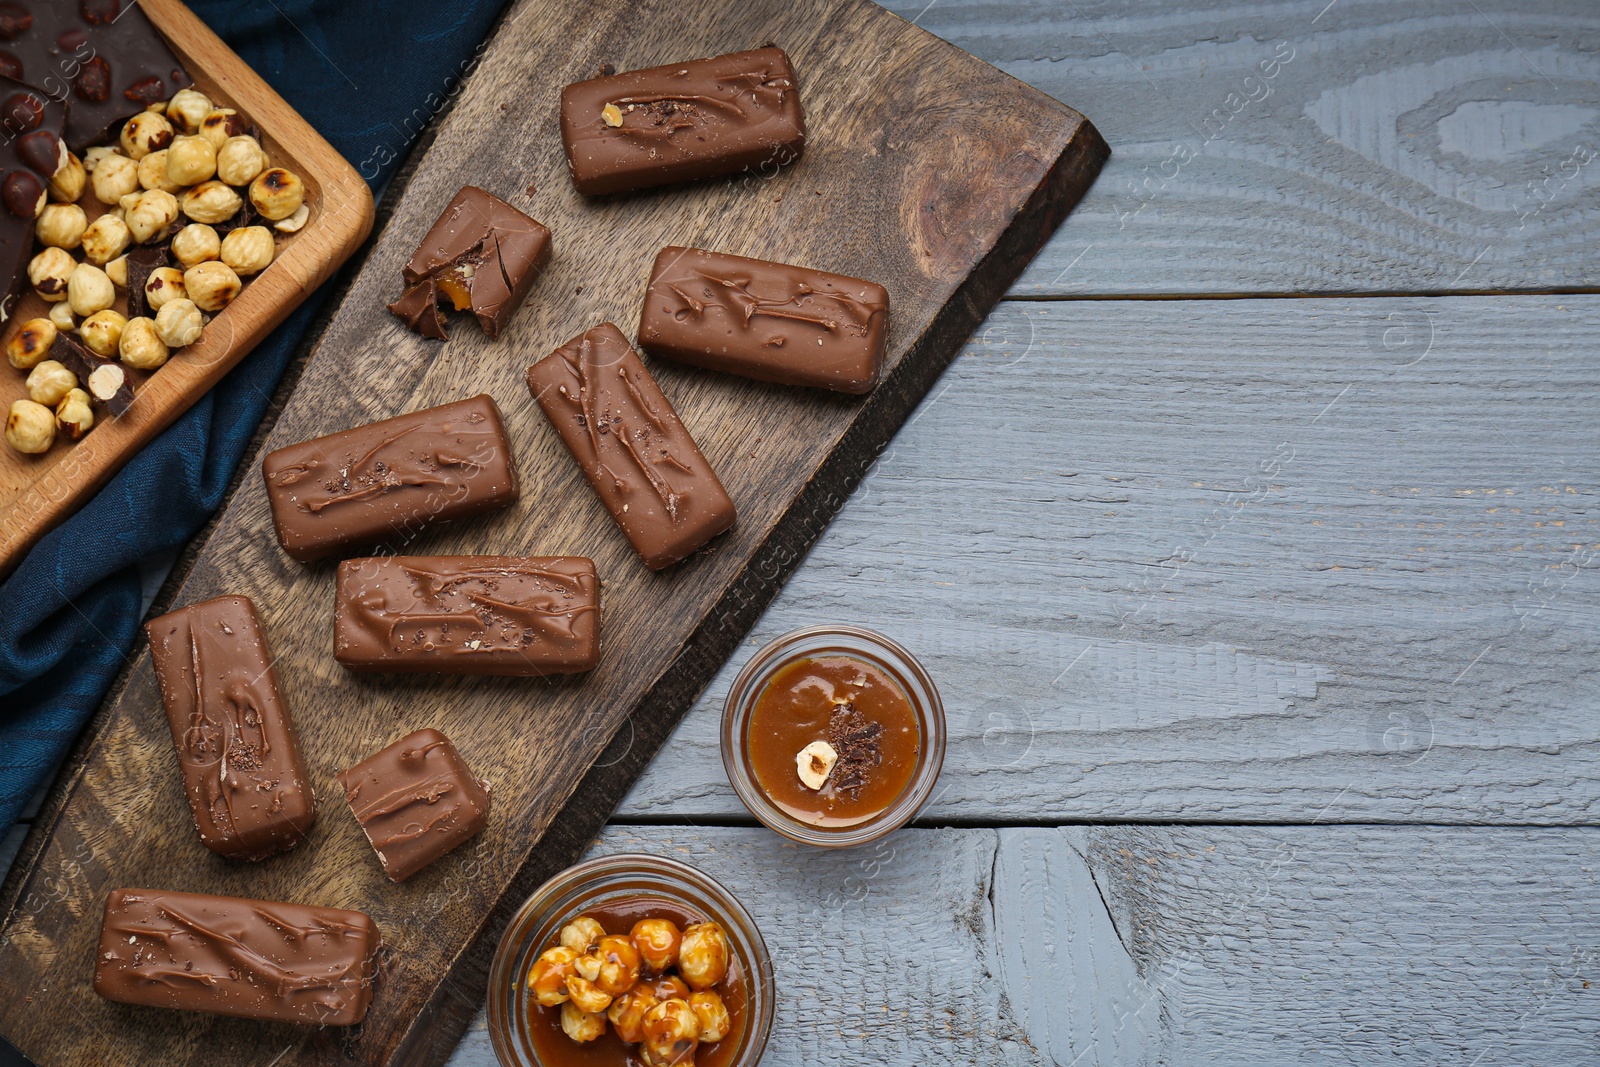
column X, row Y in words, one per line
column 144, row 260
column 627, row 439
column 468, row 614
column 104, row 379
column 247, row 215
column 237, row 746
column 29, row 120
column 387, row 481
column 765, row 320
column 255, row 959
column 415, row 801
column 683, row 121
column 483, row 254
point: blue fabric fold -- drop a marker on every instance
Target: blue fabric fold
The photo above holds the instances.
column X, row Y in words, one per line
column 369, row 76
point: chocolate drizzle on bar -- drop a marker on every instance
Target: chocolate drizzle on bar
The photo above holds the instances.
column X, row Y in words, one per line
column 416, row 800
column 855, row 739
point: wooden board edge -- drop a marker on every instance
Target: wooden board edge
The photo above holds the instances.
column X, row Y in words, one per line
column 438, row 1027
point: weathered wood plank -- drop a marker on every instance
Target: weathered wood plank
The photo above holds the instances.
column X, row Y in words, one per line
column 1398, row 624
column 1425, row 146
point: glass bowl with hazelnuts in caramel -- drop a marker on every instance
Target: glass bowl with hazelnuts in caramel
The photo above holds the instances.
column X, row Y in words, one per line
column 833, row 736
column 631, row 961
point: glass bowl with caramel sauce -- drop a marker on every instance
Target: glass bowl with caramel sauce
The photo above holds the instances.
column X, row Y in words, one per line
column 833, row 736
column 618, row 892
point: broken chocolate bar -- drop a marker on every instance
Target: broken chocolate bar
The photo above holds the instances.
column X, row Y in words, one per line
column 633, row 450
column 237, row 746
column 387, row 481
column 468, row 614
column 144, row 260
column 416, row 800
column 255, row 959
column 104, row 379
column 481, row 254
column 765, row 320
column 30, row 127
column 683, row 121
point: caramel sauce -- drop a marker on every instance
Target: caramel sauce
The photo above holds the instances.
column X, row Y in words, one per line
column 555, row 1049
column 836, row 699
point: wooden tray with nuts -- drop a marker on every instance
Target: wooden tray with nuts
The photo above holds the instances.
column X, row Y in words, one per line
column 251, row 210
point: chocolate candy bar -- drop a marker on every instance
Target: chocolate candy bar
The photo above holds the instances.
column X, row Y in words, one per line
column 482, row 254
column 467, row 614
column 237, row 746
column 765, row 320
column 30, row 129
column 100, row 56
column 627, row 439
column 389, row 480
column 416, row 800
column 256, row 959
column 683, row 121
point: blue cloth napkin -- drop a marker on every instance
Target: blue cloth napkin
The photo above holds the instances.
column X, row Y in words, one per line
column 369, row 75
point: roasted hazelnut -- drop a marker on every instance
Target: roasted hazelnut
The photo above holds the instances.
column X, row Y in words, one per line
column 106, row 238
column 581, row 1025
column 191, row 160
column 146, row 132
column 102, row 332
column 657, row 941
column 31, row 343
column 163, row 284
column 211, row 285
column 277, row 193
column 61, row 316
column 210, row 202
column 196, row 243
column 30, row 427
column 94, row 155
column 151, row 212
column 713, row 1015
column 61, row 226
column 179, row 323
column 547, row 978
column 23, row 194
column 113, row 178
column 582, row 933
column 671, row 1033
column 141, row 347
column 187, row 109
column 106, row 380
column 89, row 290
column 703, row 955
column 248, row 249
column 221, row 124
column 240, row 160
column 153, row 173
column 50, row 381
column 586, row 995
column 619, row 964
column 49, row 273
column 627, row 1013
column 294, row 223
column 70, row 178
column 74, row 416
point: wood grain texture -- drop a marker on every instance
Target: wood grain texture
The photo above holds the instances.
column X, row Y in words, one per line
column 1427, row 146
column 38, row 492
column 943, row 204
column 1398, row 624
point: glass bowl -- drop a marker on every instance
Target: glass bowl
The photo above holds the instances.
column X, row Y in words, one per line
column 569, row 894
column 813, row 641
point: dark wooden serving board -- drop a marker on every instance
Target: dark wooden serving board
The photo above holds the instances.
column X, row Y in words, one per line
column 926, row 170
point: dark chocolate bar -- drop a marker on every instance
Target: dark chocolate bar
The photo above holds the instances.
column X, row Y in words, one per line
column 387, row 481
column 682, row 122
column 104, row 379
column 765, row 320
column 481, row 254
column 103, row 57
column 467, row 614
column 633, row 450
column 30, row 153
column 236, row 743
column 255, row 959
column 143, row 261
column 416, row 800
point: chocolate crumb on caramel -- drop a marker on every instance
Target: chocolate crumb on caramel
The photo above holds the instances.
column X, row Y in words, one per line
column 856, row 740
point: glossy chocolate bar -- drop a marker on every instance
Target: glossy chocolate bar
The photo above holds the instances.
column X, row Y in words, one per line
column 481, row 254
column 467, row 614
column 633, row 450
column 683, row 121
column 765, row 320
column 416, row 800
column 236, row 743
column 385, row 482
column 256, row 959
column 31, row 125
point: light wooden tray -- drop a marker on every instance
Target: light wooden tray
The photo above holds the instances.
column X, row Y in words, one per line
column 38, row 492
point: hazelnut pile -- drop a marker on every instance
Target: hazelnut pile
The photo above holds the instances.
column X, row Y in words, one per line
column 641, row 982
column 180, row 170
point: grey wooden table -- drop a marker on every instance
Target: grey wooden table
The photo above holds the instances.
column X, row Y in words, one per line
column 1253, row 544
